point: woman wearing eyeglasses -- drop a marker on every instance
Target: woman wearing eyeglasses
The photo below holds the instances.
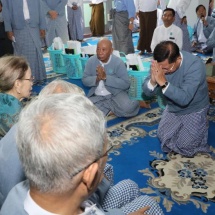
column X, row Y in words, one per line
column 15, row 85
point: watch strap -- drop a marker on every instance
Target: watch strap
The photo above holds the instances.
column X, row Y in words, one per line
column 165, row 85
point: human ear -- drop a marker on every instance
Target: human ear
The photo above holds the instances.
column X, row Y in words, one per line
column 90, row 176
column 17, row 86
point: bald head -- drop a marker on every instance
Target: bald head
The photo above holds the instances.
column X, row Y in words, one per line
column 105, row 41
column 104, row 50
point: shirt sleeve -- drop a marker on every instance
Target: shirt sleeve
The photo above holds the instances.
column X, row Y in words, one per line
column 181, row 7
column 130, row 8
column 150, row 86
column 6, row 16
column 180, row 39
column 136, row 3
column 163, row 4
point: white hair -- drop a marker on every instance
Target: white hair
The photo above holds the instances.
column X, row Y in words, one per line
column 57, row 136
column 60, row 86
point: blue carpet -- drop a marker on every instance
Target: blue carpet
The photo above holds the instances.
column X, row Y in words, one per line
column 180, row 185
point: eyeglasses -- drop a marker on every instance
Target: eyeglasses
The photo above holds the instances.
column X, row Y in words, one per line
column 103, row 155
column 170, row 70
column 28, row 79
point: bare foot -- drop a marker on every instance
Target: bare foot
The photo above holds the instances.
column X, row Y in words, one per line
column 110, row 114
column 144, row 104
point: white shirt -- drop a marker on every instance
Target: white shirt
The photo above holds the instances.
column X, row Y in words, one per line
column 159, row 17
column 172, row 33
column 97, row 1
column 32, row 208
column 201, row 37
column 70, row 3
column 148, row 5
column 26, row 10
column 180, row 6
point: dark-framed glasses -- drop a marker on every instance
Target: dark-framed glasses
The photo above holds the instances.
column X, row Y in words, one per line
column 103, row 155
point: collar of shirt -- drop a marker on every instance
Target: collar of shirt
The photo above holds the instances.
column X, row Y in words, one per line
column 32, row 208
column 106, row 62
column 90, row 209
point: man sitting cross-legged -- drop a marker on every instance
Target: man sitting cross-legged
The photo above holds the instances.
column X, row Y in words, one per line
column 108, row 78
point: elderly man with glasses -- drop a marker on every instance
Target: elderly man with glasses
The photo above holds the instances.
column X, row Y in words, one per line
column 184, row 126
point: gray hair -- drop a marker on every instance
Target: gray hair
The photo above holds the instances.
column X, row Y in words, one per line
column 60, row 86
column 11, row 69
column 57, row 136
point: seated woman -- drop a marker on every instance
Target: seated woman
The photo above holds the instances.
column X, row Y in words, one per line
column 15, row 84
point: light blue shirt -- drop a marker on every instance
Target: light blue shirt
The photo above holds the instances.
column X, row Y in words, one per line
column 125, row 5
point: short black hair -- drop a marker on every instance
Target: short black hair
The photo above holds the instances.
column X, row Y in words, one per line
column 166, row 50
column 197, row 8
column 170, row 9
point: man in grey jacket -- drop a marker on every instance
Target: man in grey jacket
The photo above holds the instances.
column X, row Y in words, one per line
column 184, row 126
column 25, row 25
column 108, row 78
column 56, row 20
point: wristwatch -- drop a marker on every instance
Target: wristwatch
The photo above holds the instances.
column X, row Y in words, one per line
column 165, row 85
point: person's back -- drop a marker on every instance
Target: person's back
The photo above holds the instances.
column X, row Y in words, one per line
column 11, row 169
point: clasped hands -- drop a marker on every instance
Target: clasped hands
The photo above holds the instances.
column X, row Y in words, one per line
column 53, row 14
column 157, row 74
column 100, row 72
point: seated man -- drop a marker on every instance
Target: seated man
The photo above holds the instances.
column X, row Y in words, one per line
column 108, row 78
column 184, row 125
column 167, row 31
column 11, row 170
column 202, row 31
column 62, row 168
